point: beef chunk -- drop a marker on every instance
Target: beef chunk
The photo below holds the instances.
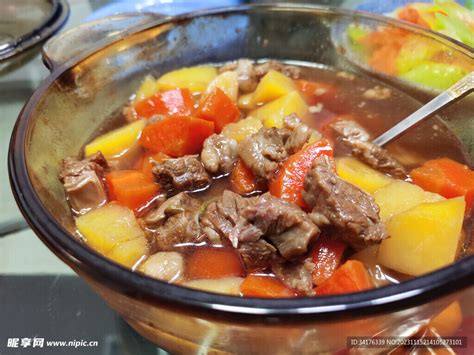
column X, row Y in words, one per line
column 353, row 213
column 354, row 136
column 181, row 174
column 219, row 154
column 263, row 151
column 296, row 275
column 222, row 220
column 249, row 73
column 176, row 221
column 83, row 182
column 257, row 255
column 288, row 228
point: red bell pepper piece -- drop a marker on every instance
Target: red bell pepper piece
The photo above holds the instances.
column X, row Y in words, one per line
column 265, row 286
column 172, row 102
column 218, row 108
column 289, row 181
column 447, row 178
column 214, row 263
column 326, row 255
column 352, row 276
column 176, row 136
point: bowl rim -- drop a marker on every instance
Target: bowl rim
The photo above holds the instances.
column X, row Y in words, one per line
column 411, row 293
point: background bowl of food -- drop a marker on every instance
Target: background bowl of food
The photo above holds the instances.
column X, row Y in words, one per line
column 212, row 177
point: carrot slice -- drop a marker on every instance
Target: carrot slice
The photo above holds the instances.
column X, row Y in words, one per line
column 447, row 178
column 289, row 181
column 172, row 102
column 243, row 180
column 176, row 135
column 131, row 188
column 352, row 276
column 218, row 108
column 214, row 263
column 326, row 255
column 315, row 91
column 265, row 286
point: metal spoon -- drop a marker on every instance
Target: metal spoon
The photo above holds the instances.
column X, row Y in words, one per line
column 454, row 93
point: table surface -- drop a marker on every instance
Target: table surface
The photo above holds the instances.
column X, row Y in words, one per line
column 39, row 295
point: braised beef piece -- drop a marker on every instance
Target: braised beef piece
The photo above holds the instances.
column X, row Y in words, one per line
column 263, row 151
column 176, row 221
column 257, row 255
column 222, row 220
column 83, row 182
column 283, row 223
column 219, row 154
column 356, row 138
column 249, row 73
column 181, row 174
column 295, row 275
column 352, row 212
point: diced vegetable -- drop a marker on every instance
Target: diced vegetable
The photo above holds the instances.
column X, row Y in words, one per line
column 326, row 255
column 435, row 75
column 350, row 277
column 131, row 188
column 245, row 102
column 117, row 141
column 288, row 184
column 272, row 114
column 196, row 79
column 315, row 91
column 447, row 178
column 423, row 238
column 146, row 164
column 361, row 175
column 171, row 102
column 214, row 263
column 265, row 286
column 147, row 88
column 272, row 86
column 176, row 136
column 108, row 226
column 400, row 196
column 243, row 128
column 130, row 252
column 415, row 51
column 242, row 179
column 447, row 321
column 217, row 107
column 227, row 285
column 164, row 265
column 227, row 82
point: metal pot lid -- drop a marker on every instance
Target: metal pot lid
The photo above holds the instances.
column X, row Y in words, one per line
column 25, row 23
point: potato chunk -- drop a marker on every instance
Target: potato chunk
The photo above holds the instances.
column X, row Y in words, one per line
column 107, row 226
column 227, row 285
column 272, row 114
column 130, row 252
column 166, row 266
column 400, row 196
column 227, row 82
column 116, row 142
column 423, row 238
column 359, row 174
column 272, row 86
column 242, row 129
column 147, row 88
column 196, row 79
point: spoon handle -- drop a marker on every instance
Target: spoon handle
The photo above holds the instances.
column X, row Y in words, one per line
column 454, row 93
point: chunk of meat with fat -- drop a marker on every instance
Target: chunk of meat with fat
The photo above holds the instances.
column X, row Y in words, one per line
column 249, row 73
column 352, row 212
column 181, row 174
column 295, row 275
column 283, row 223
column 356, row 138
column 175, row 222
column 257, row 255
column 263, row 151
column 83, row 182
column 219, row 154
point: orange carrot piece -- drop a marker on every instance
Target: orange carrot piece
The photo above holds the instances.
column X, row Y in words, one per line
column 131, row 188
column 265, row 286
column 315, row 91
column 218, row 108
column 176, row 135
column 146, row 165
column 289, row 181
column 172, row 102
column 352, row 276
column 242, row 179
column 326, row 255
column 214, row 263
